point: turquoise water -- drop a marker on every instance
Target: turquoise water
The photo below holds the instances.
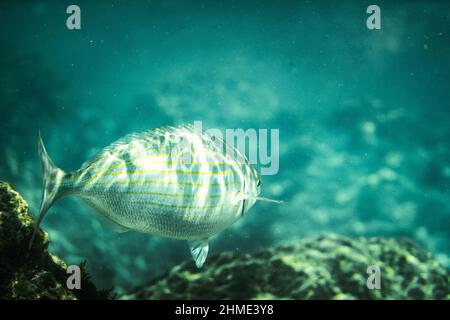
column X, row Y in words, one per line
column 363, row 114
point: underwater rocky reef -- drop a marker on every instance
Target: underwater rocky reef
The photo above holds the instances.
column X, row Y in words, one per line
column 33, row 273
column 322, row 267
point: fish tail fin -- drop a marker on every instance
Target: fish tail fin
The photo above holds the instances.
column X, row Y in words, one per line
column 52, row 177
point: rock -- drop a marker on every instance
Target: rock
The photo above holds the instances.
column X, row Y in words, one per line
column 324, row 267
column 32, row 273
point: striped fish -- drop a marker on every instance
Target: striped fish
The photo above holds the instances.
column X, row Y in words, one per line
column 171, row 182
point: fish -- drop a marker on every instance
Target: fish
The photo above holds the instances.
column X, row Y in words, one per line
column 173, row 182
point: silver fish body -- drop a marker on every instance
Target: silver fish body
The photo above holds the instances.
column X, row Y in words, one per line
column 172, row 182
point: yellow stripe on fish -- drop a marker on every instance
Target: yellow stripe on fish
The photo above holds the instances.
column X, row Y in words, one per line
column 130, row 162
column 172, row 155
column 175, row 206
column 176, row 195
column 133, row 172
column 190, row 184
column 86, row 177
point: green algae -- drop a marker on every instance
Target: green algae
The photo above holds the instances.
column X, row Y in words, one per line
column 33, row 273
column 324, row 267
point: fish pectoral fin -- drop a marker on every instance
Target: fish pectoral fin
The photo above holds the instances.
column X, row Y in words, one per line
column 104, row 220
column 199, row 251
column 112, row 225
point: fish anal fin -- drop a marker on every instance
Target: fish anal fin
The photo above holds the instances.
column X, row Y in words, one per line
column 199, row 251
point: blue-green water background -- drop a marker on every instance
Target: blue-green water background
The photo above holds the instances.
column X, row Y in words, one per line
column 363, row 115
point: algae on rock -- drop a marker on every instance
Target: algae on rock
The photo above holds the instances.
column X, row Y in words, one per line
column 324, row 267
column 32, row 273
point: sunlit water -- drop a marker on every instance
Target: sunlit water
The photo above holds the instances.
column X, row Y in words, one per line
column 363, row 114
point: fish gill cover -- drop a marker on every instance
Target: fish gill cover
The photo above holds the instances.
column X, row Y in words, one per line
column 363, row 115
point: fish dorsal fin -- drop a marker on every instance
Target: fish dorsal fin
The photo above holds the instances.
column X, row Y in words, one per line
column 199, row 251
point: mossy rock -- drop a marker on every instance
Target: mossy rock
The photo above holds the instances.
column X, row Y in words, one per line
column 32, row 273
column 324, row 267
